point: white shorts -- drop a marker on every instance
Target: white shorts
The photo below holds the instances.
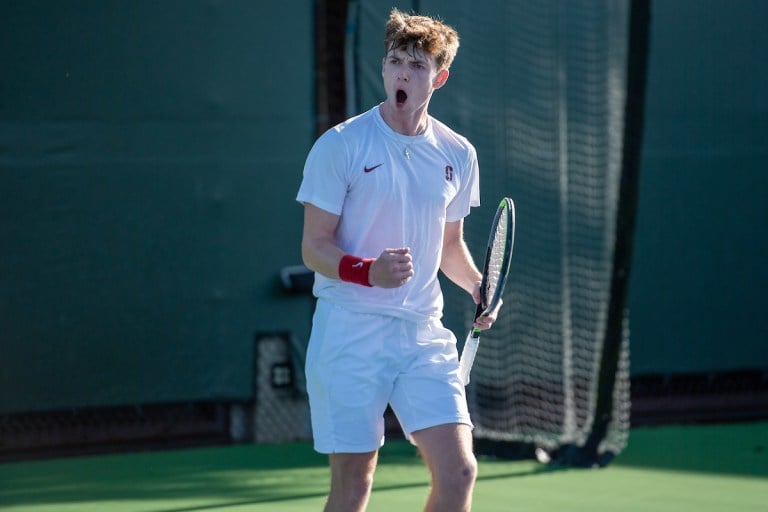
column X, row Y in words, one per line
column 358, row 363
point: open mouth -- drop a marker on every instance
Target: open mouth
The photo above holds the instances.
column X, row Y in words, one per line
column 401, row 96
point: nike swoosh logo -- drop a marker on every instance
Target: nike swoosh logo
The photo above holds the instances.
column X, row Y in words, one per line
column 369, row 169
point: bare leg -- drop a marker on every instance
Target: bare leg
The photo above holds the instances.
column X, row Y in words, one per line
column 351, row 481
column 447, row 450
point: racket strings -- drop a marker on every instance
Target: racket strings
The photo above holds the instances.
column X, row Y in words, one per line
column 497, row 257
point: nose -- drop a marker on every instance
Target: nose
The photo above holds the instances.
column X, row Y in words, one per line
column 402, row 74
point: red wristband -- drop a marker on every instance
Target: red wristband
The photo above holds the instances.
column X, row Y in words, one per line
column 355, row 270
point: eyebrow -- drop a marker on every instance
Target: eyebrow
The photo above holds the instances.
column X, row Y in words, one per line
column 404, row 55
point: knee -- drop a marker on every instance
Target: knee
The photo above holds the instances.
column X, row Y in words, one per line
column 468, row 473
column 458, row 480
column 351, row 491
column 359, row 485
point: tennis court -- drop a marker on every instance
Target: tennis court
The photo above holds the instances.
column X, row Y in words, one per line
column 672, row 468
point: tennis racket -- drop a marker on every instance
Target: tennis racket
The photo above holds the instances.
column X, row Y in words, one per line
column 495, row 270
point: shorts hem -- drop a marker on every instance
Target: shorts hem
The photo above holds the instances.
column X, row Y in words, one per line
column 437, row 423
column 338, row 448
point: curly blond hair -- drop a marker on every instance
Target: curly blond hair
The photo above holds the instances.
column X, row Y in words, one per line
column 429, row 35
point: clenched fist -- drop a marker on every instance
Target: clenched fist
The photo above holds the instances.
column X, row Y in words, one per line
column 393, row 268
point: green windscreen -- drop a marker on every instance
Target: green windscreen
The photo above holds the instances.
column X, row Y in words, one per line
column 149, row 157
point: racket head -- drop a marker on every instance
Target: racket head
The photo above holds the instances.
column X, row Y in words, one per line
column 498, row 257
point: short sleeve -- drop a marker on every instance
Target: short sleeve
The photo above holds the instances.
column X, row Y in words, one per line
column 324, row 183
column 468, row 195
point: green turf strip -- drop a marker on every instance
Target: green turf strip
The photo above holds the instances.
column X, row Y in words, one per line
column 703, row 468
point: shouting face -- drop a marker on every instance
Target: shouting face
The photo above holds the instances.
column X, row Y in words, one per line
column 410, row 77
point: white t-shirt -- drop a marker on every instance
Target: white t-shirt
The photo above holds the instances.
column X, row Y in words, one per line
column 391, row 190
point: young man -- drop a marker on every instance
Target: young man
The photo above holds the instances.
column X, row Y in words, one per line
column 385, row 194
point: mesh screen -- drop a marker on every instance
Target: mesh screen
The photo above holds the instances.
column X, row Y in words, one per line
column 281, row 411
column 539, row 88
column 562, row 93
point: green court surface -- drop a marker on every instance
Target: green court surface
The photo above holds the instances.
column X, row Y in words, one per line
column 673, row 468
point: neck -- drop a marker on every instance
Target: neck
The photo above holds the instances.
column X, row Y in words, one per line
column 405, row 123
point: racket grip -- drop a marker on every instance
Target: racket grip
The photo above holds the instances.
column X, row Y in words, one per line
column 468, row 357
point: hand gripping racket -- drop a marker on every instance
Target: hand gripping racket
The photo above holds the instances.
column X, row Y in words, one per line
column 495, row 270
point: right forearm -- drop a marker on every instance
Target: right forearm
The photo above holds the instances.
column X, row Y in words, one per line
column 319, row 248
column 322, row 256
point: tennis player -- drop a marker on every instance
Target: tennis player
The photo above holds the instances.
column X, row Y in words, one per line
column 385, row 194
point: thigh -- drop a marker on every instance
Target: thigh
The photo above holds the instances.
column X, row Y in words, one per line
column 348, row 465
column 445, row 446
column 351, row 480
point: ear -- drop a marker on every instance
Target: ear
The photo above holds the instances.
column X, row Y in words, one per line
column 440, row 79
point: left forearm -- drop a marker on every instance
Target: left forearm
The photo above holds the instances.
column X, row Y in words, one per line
column 457, row 263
